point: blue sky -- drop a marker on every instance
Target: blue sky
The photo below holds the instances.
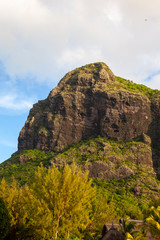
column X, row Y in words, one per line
column 41, row 40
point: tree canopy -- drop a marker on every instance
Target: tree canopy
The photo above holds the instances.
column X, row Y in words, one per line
column 57, row 204
column 4, row 219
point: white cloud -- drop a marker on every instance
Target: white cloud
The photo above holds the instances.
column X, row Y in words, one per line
column 113, row 13
column 45, row 38
column 76, row 57
column 13, row 102
column 153, row 82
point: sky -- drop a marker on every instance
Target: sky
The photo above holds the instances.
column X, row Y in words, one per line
column 41, row 40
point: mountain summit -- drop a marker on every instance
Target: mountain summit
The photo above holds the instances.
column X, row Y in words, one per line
column 91, row 101
column 87, row 102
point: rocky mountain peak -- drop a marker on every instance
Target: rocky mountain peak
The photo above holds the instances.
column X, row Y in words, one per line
column 88, row 101
column 88, row 74
column 92, row 75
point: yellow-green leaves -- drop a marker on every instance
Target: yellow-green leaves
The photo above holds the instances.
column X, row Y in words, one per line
column 68, row 195
column 56, row 205
column 154, row 221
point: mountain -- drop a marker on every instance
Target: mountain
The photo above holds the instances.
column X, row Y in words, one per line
column 106, row 124
column 89, row 102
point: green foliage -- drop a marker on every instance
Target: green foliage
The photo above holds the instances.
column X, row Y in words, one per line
column 154, row 221
column 92, row 149
column 115, row 198
column 130, row 230
column 125, row 202
column 4, row 219
column 89, row 150
column 126, row 227
column 24, row 172
column 57, row 204
column 68, row 194
column 137, row 236
column 103, row 211
column 139, row 88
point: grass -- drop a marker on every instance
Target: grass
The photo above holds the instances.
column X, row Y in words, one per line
column 129, row 85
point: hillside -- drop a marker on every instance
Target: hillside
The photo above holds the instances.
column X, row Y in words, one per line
column 123, row 169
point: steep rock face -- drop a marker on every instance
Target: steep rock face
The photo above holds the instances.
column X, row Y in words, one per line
column 154, row 132
column 87, row 102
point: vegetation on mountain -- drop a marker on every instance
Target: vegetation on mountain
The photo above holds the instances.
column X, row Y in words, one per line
column 131, row 193
column 139, row 88
column 23, row 170
column 4, row 220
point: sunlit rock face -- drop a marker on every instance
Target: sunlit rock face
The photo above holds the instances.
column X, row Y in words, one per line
column 89, row 101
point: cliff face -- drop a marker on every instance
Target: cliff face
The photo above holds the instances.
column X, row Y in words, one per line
column 87, row 102
column 90, row 101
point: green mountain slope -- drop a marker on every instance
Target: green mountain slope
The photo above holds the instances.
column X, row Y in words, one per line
column 129, row 180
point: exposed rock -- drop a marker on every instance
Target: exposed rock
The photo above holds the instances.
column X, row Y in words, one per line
column 24, row 158
column 137, row 191
column 106, row 171
column 146, row 139
column 87, row 102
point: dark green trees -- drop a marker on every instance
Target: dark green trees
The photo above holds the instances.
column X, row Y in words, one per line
column 4, row 220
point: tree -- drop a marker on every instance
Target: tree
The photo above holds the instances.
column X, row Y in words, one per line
column 68, row 194
column 30, row 217
column 102, row 212
column 13, row 197
column 4, row 219
column 128, row 229
column 137, row 236
column 154, row 221
column 58, row 204
column 126, row 226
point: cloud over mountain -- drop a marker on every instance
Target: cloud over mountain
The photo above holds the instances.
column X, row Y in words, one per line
column 48, row 38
